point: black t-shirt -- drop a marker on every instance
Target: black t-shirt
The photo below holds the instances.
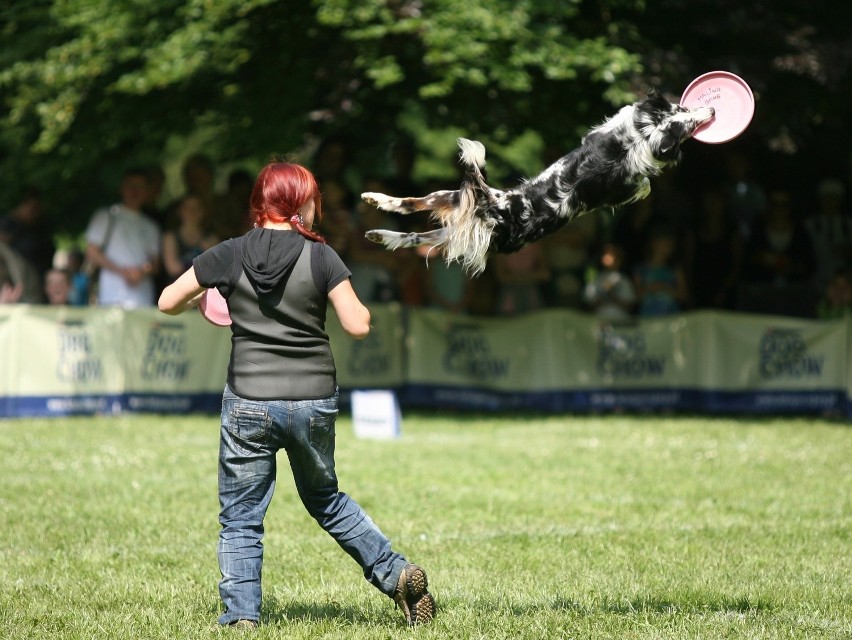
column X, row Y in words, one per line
column 214, row 268
column 276, row 283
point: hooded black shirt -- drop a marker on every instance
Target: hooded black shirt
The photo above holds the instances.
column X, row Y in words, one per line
column 276, row 283
column 269, row 257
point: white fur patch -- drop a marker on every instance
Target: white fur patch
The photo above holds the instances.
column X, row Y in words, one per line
column 472, row 152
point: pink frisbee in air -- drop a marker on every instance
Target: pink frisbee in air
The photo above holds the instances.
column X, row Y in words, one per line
column 215, row 308
column 732, row 99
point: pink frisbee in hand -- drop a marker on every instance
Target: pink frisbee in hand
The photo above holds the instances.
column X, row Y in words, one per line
column 215, row 308
column 732, row 99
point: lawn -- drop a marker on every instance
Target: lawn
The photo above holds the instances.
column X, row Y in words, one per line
column 529, row 526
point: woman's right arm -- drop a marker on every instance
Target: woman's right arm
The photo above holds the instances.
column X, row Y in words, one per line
column 184, row 293
column 354, row 317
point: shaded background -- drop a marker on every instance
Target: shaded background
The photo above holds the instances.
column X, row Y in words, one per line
column 89, row 87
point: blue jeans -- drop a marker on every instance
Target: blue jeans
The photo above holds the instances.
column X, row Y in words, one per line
column 252, row 433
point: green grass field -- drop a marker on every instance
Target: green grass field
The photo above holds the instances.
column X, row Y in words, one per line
column 529, row 527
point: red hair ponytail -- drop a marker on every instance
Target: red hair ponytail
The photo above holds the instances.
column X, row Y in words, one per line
column 296, row 221
column 280, row 191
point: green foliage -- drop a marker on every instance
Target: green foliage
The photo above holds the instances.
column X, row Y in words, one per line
column 530, row 527
column 97, row 49
column 100, row 83
column 90, row 86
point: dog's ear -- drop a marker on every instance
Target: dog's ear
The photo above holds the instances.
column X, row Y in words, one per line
column 652, row 108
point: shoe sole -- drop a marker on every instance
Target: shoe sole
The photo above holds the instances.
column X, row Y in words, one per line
column 419, row 604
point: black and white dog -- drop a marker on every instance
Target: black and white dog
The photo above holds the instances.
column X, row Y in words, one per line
column 611, row 167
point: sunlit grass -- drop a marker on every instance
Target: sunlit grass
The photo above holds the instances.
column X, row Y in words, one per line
column 529, row 527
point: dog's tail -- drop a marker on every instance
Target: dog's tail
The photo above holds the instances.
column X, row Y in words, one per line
column 470, row 229
column 474, row 188
column 472, row 153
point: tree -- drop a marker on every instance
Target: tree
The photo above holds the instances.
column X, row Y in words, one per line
column 89, row 84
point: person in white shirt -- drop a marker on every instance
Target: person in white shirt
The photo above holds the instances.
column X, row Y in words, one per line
column 124, row 244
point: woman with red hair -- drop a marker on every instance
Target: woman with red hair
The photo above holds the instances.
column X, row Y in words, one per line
column 281, row 390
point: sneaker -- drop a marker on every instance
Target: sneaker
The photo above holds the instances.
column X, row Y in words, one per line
column 243, row 625
column 411, row 596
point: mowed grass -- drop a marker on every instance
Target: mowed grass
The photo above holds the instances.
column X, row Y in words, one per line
column 529, row 527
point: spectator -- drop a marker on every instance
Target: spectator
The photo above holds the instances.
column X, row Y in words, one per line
column 746, row 196
column 71, row 260
column 332, row 161
column 778, row 266
column 10, row 290
column 609, row 293
column 447, row 286
column 58, row 286
column 189, row 239
column 199, row 178
column 830, row 231
column 338, row 203
column 713, row 254
column 520, row 276
column 836, row 301
column 124, row 244
column 660, row 282
column 26, row 230
column 568, row 253
column 484, row 292
column 411, row 278
column 230, row 217
column 153, row 207
column 20, row 281
column 631, row 229
column 779, row 252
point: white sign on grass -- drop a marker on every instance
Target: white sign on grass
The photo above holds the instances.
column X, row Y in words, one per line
column 376, row 414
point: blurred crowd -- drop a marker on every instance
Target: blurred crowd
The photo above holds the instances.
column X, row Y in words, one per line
column 735, row 244
column 131, row 249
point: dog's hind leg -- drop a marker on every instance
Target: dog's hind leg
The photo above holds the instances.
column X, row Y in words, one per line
column 398, row 240
column 436, row 200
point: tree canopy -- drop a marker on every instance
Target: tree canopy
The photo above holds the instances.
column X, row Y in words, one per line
column 92, row 86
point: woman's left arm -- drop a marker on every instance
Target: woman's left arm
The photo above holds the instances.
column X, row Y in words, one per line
column 184, row 293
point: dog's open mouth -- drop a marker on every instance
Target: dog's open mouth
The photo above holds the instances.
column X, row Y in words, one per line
column 705, row 115
column 701, row 118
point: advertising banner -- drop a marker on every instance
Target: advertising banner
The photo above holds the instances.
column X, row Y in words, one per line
column 65, row 360
column 648, row 363
column 773, row 364
column 550, row 360
column 485, row 362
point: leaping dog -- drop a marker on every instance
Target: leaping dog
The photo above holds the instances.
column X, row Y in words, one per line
column 611, row 167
